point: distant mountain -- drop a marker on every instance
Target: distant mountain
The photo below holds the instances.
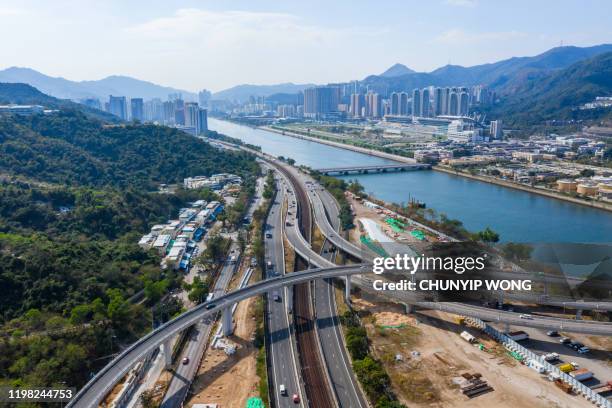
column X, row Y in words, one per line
column 396, row 70
column 241, row 93
column 499, row 75
column 101, row 89
column 537, row 97
column 25, row 94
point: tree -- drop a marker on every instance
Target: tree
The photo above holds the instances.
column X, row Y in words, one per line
column 155, row 290
column 587, row 173
column 118, row 308
column 488, row 235
column 198, row 290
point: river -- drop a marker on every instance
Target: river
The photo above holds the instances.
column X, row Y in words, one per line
column 516, row 215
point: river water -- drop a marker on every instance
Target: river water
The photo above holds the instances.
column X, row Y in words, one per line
column 516, row 215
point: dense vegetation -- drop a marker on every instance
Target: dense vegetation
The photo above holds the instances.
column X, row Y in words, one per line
column 70, row 148
column 75, row 195
column 370, row 372
column 537, row 97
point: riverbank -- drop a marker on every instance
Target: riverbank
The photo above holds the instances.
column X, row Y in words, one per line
column 504, row 183
column 535, row 190
column 363, row 150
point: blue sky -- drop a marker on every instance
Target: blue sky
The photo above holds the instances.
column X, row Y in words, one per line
column 218, row 44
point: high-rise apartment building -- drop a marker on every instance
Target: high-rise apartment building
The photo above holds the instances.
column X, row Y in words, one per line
column 357, row 108
column 464, row 102
column 425, row 103
column 453, row 103
column 373, row 104
column 416, row 102
column 438, row 101
column 495, row 130
column 320, row 100
column 137, row 109
column 117, row 105
column 202, row 121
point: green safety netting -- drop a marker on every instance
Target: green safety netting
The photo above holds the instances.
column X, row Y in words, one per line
column 255, row 402
column 373, row 246
column 418, row 234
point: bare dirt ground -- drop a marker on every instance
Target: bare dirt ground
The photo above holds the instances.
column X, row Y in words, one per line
column 425, row 378
column 230, row 380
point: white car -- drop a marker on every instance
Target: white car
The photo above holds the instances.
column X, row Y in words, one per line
column 526, row 316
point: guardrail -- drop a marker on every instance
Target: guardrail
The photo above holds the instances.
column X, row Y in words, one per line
column 512, row 345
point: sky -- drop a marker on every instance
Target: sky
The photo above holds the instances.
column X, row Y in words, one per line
column 201, row 44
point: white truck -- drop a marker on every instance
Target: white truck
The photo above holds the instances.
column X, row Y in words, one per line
column 551, row 357
column 537, row 366
column 468, row 337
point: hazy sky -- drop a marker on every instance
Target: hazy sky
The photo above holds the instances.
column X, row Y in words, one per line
column 218, row 44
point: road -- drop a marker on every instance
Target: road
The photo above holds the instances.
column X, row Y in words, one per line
column 344, row 383
column 194, row 349
column 284, row 363
column 93, row 392
column 542, row 344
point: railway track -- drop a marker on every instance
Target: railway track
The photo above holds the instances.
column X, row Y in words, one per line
column 312, row 367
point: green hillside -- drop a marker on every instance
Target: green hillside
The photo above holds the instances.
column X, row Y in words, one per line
column 537, row 98
column 76, row 193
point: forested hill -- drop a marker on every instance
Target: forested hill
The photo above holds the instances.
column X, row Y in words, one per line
column 76, row 194
column 24, row 94
column 71, row 148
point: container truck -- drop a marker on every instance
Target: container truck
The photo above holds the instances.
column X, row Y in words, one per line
column 582, row 374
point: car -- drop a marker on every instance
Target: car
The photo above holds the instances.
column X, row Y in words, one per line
column 276, row 296
column 283, row 389
column 210, row 306
column 186, row 361
column 552, row 333
column 576, row 345
column 296, row 398
column 268, row 235
column 565, row 340
column 526, row 316
column 583, row 350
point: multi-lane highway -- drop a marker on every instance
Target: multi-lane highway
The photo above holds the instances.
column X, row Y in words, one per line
column 284, row 363
column 193, row 350
column 344, row 383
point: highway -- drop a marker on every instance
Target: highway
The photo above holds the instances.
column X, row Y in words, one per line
column 303, row 248
column 194, row 348
column 344, row 383
column 284, row 367
column 93, row 392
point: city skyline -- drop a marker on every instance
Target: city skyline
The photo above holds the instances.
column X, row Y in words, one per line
column 203, row 45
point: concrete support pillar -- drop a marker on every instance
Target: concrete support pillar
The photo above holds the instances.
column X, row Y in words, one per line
column 507, row 328
column 579, row 314
column 500, row 299
column 166, row 350
column 408, row 308
column 228, row 324
column 289, row 299
column 347, row 289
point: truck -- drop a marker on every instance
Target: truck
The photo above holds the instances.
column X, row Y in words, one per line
column 567, row 367
column 537, row 366
column 564, row 386
column 581, row 374
column 468, row 337
column 460, row 320
column 551, row 357
column 518, row 335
